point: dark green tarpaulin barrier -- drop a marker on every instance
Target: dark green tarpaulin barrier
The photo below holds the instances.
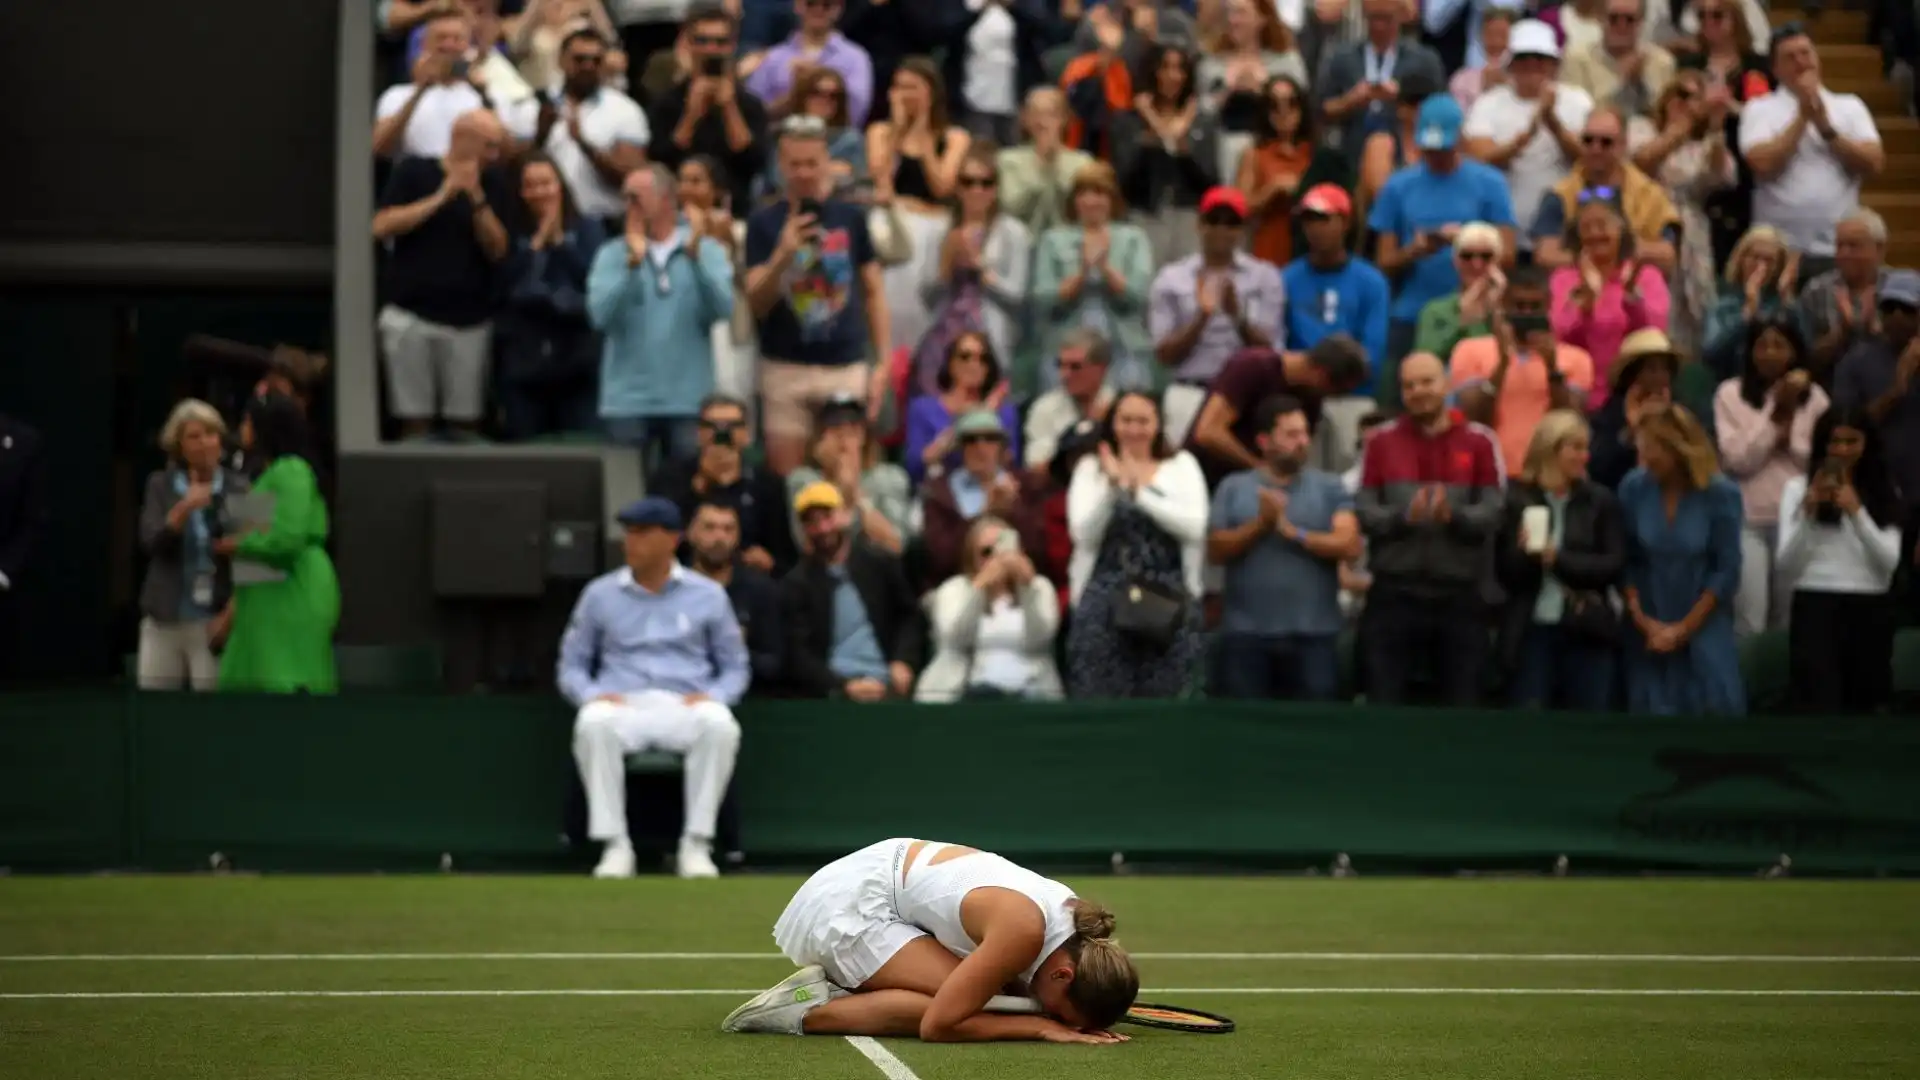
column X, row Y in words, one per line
column 164, row 781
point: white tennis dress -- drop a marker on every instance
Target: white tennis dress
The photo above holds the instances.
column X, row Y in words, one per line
column 855, row 913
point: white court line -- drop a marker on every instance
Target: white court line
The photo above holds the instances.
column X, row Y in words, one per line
column 882, row 1058
column 1385, row 991
column 1339, row 957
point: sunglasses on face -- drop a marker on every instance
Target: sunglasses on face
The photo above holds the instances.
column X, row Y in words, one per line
column 821, row 5
column 1219, row 220
column 1685, row 93
column 826, row 93
column 1712, row 14
column 975, row 440
column 585, row 59
column 1596, row 140
column 977, row 181
column 713, row 41
column 1476, row 256
column 1619, row 18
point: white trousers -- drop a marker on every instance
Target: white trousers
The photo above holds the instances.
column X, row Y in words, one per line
column 1762, row 602
column 173, row 656
column 605, row 732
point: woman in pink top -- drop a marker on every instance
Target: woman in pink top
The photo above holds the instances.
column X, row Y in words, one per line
column 1763, row 421
column 1607, row 293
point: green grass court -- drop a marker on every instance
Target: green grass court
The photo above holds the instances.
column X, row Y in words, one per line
column 571, row 979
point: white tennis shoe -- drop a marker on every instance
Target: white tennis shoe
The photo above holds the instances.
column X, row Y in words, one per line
column 783, row 1009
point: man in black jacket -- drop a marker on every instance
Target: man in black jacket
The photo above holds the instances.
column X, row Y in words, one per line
column 713, row 535
column 23, row 517
column 852, row 621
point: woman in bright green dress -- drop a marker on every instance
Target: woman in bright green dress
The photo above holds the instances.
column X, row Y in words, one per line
column 281, row 638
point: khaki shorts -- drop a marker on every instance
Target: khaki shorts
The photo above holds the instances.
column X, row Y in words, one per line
column 791, row 393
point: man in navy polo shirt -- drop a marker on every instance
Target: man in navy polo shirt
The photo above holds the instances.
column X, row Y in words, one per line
column 817, row 295
column 1419, row 212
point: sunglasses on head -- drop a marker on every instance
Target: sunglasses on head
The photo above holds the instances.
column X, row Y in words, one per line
column 1599, row 194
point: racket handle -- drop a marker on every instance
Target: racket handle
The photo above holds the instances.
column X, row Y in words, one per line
column 1005, row 1003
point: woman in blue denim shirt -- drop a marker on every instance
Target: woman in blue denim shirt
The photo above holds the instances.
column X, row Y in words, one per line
column 547, row 359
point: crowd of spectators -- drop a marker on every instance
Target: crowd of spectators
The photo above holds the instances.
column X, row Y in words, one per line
column 1041, row 348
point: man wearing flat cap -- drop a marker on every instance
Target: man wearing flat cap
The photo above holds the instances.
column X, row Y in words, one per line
column 654, row 659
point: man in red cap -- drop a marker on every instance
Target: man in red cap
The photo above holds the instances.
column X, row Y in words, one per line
column 1207, row 307
column 1332, row 290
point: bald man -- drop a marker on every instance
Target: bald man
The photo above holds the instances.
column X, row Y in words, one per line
column 655, row 293
column 1430, row 500
column 438, row 219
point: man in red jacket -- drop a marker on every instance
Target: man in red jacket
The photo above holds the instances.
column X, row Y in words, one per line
column 1430, row 498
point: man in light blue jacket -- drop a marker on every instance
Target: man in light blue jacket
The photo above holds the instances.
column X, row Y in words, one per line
column 656, row 294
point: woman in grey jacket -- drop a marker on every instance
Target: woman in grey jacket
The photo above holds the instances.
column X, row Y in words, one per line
column 184, row 602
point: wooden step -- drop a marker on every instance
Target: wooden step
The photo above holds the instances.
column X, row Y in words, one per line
column 1838, row 26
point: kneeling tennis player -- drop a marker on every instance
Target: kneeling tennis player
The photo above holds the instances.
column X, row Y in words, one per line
column 916, row 937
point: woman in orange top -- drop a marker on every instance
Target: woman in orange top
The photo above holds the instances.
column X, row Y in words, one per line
column 1285, row 162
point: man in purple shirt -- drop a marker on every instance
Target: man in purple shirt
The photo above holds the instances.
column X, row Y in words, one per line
column 818, row 44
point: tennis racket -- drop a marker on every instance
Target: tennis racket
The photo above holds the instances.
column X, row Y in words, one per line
column 1143, row 1014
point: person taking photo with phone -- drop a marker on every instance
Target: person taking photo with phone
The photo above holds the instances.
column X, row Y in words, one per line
column 1839, row 549
column 818, row 297
column 708, row 112
column 416, row 119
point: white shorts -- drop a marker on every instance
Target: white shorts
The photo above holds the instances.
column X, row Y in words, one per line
column 844, row 917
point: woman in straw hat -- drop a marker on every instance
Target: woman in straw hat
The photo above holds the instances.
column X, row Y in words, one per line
column 1648, row 372
column 1683, row 520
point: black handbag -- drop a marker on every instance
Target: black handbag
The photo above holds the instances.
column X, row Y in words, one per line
column 1149, row 613
column 1589, row 615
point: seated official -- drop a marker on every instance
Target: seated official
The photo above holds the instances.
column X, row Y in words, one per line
column 983, row 484
column 654, row 659
column 993, row 623
column 713, row 550
column 720, row 472
column 852, row 621
column 1281, row 532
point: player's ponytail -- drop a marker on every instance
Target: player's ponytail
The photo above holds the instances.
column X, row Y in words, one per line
column 1091, row 921
column 1105, row 982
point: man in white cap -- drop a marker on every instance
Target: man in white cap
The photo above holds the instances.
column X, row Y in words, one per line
column 1528, row 127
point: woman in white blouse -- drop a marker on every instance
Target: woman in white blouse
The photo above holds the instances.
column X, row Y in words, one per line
column 1137, row 513
column 1839, row 549
column 993, row 623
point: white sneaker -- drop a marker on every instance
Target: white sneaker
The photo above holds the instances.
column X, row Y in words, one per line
column 783, row 1009
column 695, row 861
column 617, row 862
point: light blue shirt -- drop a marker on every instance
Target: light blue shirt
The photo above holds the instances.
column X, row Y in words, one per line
column 623, row 639
column 1277, row 588
column 658, row 319
column 1416, row 200
column 856, row 652
column 969, row 495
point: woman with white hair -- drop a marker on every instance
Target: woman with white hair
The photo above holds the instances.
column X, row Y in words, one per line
column 184, row 599
column 1457, row 316
column 993, row 623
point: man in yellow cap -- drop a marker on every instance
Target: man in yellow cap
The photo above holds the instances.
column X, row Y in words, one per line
column 853, row 623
